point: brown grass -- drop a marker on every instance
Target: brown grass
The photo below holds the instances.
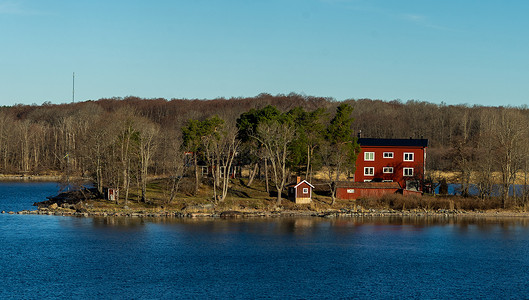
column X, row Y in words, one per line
column 255, row 199
column 427, row 202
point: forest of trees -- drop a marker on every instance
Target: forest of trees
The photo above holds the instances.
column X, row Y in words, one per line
column 123, row 142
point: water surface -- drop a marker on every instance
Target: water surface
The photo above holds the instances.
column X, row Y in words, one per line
column 70, row 257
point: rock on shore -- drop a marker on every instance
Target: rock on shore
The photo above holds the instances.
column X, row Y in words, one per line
column 69, row 199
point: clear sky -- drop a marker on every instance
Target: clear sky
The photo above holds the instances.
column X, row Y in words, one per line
column 456, row 51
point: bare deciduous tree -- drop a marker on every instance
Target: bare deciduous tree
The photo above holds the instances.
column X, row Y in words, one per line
column 275, row 138
column 147, row 135
column 510, row 130
column 221, row 149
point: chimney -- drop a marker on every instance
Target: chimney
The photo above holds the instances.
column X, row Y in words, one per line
column 359, row 133
column 298, row 179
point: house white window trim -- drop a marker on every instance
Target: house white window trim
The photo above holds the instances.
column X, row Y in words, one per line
column 305, row 190
column 387, row 180
column 387, row 155
column 222, row 170
column 204, row 170
column 368, row 180
column 369, row 156
column 387, row 170
column 407, row 172
column 369, row 171
column 409, row 156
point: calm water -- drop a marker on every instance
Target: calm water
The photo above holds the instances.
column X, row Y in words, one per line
column 68, row 257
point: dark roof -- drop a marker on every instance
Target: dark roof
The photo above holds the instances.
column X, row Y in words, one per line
column 393, row 142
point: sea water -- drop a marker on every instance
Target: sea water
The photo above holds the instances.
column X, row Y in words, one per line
column 45, row 256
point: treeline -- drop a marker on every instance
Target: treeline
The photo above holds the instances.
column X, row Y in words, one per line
column 283, row 143
column 481, row 145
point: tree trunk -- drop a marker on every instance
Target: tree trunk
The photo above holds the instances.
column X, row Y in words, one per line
column 126, row 182
column 252, row 174
column 333, row 193
column 308, row 163
column 196, row 173
column 266, row 176
column 214, row 187
column 174, row 188
column 144, row 183
column 226, row 176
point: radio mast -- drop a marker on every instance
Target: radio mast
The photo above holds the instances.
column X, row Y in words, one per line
column 73, row 87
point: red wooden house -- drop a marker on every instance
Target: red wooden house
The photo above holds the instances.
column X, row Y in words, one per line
column 392, row 160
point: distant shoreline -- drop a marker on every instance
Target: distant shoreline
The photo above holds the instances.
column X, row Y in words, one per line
column 43, row 178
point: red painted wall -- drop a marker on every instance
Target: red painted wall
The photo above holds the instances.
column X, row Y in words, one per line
column 300, row 193
column 397, row 162
column 341, row 193
column 411, row 193
column 294, row 192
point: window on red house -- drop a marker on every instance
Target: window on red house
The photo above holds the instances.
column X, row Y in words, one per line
column 369, row 171
column 369, row 156
column 408, row 156
column 408, row 171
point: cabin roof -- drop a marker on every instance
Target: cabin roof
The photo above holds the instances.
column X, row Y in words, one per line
column 298, row 184
column 393, row 142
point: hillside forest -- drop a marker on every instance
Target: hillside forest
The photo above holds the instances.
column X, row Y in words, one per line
column 123, row 142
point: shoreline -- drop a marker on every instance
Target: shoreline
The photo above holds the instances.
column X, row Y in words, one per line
column 270, row 214
column 35, row 178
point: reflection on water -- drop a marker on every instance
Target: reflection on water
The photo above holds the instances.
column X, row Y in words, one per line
column 305, row 224
column 363, row 257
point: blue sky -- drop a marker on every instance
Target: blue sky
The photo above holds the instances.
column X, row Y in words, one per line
column 464, row 51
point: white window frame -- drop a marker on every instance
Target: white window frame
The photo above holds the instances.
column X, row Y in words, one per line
column 204, row 170
column 305, row 190
column 222, row 170
column 368, row 180
column 387, row 155
column 369, row 156
column 387, row 180
column 369, row 171
column 407, row 156
column 407, row 169
column 387, row 170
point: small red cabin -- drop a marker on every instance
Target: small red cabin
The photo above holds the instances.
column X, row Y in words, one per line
column 300, row 192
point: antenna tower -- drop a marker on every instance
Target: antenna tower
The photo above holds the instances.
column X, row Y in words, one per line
column 73, row 87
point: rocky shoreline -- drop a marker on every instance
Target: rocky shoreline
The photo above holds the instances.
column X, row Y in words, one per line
column 24, row 177
column 266, row 214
